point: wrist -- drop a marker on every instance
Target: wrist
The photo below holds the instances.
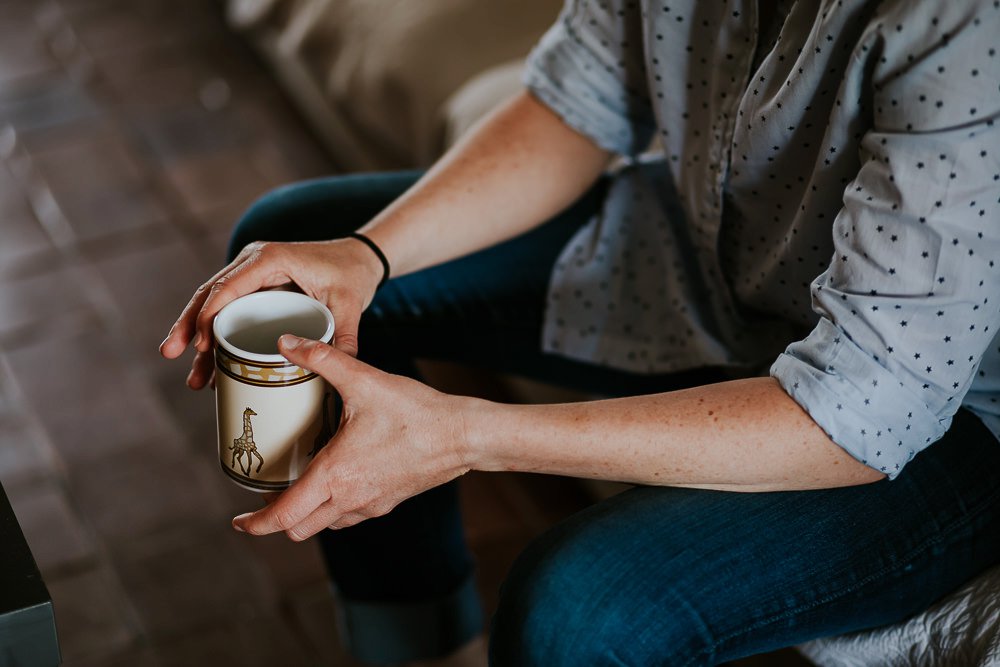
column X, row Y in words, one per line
column 377, row 251
column 372, row 268
column 478, row 423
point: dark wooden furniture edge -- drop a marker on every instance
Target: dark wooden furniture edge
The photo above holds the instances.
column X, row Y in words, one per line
column 27, row 622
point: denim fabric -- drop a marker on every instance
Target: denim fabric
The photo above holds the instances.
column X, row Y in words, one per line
column 666, row 576
column 655, row 576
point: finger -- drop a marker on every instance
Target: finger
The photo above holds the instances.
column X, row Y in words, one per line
column 181, row 332
column 294, row 505
column 322, row 517
column 348, row 520
column 202, row 370
column 183, row 329
column 338, row 368
column 325, row 516
column 255, row 273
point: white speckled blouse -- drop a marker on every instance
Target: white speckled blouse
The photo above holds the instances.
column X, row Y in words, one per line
column 824, row 199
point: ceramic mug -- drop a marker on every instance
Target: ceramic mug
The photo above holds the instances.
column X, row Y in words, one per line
column 273, row 416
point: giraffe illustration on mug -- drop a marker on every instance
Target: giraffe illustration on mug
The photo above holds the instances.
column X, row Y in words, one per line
column 245, row 445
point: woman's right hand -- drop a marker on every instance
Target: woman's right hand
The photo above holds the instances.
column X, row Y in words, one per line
column 343, row 274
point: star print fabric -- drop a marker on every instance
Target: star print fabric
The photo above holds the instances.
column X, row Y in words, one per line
column 823, row 193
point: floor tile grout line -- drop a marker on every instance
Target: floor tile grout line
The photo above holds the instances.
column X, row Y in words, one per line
column 82, row 67
column 47, row 211
column 54, row 222
column 102, row 555
column 187, row 224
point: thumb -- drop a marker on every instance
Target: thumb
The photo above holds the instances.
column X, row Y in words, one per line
column 338, row 368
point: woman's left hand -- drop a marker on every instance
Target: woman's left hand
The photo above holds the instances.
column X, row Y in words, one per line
column 397, row 438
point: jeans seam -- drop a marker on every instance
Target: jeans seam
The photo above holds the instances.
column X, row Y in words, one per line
column 704, row 631
column 908, row 558
column 710, row 644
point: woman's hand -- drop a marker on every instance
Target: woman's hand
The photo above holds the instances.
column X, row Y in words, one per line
column 343, row 274
column 397, row 438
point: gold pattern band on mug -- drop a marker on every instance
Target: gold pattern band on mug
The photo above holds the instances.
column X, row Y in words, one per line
column 260, row 374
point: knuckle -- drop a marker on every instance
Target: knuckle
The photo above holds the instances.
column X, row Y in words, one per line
column 254, row 529
column 221, row 284
column 256, row 247
column 318, row 353
column 221, row 289
column 267, row 250
column 296, row 535
column 378, row 509
column 283, row 519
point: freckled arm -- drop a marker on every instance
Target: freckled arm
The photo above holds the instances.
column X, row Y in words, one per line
column 744, row 435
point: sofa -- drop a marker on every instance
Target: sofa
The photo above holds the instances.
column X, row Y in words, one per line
column 388, row 84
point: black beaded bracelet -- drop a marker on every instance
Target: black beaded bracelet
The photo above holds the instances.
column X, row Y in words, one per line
column 378, row 253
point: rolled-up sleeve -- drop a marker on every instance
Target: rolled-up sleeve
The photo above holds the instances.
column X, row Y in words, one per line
column 911, row 299
column 589, row 69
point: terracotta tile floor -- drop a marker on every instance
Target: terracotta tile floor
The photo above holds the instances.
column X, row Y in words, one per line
column 132, row 132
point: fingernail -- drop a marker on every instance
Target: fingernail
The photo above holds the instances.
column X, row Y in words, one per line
column 240, row 519
column 197, row 339
column 290, row 342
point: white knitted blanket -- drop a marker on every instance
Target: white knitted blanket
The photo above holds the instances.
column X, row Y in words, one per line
column 961, row 630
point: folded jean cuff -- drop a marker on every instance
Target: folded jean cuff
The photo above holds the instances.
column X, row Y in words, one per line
column 383, row 633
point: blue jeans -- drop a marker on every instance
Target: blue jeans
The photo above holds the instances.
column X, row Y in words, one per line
column 654, row 576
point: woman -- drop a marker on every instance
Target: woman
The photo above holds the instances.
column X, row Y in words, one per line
column 818, row 203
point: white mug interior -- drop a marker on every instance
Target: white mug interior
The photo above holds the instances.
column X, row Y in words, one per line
column 250, row 326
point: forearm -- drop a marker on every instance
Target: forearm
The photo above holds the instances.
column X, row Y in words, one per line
column 745, row 435
column 516, row 169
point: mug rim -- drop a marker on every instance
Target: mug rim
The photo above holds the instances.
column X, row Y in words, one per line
column 271, row 294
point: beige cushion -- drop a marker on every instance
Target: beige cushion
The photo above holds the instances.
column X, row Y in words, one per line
column 384, row 68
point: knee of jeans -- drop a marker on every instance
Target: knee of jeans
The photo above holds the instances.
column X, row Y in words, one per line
column 568, row 601
column 545, row 615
